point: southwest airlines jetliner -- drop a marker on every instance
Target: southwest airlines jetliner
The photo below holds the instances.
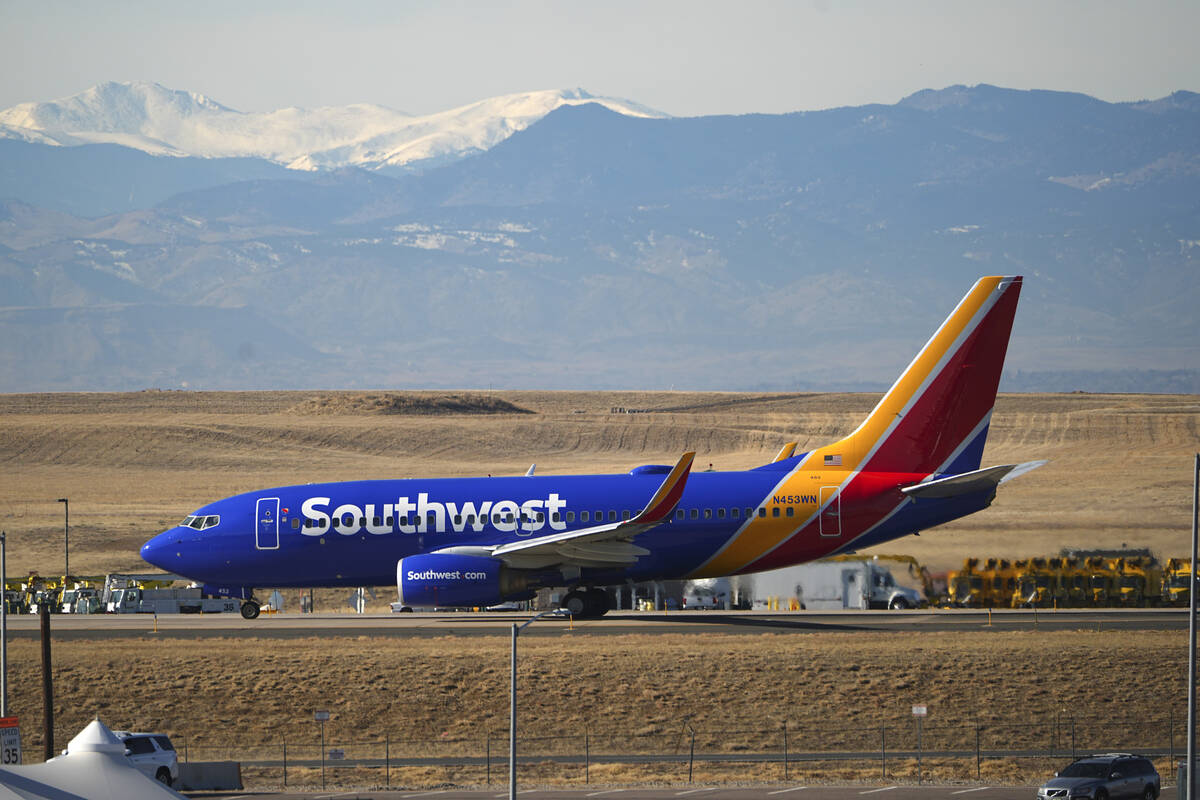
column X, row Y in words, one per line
column 912, row 464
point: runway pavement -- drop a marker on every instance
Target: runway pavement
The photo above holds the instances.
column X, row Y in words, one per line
column 289, row 625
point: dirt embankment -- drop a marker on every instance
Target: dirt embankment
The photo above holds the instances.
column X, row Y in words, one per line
column 131, row 464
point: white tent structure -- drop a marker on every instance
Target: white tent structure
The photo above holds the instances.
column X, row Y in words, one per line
column 93, row 767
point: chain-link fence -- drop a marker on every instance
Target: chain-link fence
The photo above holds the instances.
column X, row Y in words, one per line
column 1010, row 750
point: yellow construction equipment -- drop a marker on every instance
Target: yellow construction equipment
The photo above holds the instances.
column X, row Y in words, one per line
column 1102, row 583
column 1139, row 580
column 967, row 587
column 1176, row 582
column 1038, row 585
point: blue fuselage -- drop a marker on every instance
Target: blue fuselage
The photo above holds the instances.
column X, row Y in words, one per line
column 353, row 533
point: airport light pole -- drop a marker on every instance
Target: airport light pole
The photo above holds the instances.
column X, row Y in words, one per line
column 512, row 705
column 1191, row 734
column 4, row 625
column 66, row 536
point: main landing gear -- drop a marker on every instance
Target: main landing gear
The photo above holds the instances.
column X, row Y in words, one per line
column 250, row 609
column 586, row 603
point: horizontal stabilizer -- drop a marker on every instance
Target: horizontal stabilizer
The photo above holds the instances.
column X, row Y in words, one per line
column 969, row 482
column 785, row 452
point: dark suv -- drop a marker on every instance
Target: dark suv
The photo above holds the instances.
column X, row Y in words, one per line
column 1104, row 777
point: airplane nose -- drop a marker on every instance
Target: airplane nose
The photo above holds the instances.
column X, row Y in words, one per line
column 158, row 551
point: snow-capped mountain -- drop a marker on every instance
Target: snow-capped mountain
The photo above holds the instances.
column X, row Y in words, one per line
column 161, row 121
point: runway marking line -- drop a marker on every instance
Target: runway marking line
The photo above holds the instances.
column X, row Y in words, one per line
column 785, row 791
column 976, row 789
column 694, row 791
column 884, row 789
column 606, row 791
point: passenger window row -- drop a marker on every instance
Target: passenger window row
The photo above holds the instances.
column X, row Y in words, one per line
column 348, row 521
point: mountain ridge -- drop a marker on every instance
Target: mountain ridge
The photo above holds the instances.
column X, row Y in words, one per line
column 597, row 250
column 161, row 121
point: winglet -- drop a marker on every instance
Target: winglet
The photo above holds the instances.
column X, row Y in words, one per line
column 785, row 452
column 663, row 503
column 529, row 471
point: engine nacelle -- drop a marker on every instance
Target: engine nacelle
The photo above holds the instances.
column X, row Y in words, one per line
column 450, row 579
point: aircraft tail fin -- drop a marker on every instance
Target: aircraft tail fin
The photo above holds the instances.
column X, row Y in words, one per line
column 935, row 418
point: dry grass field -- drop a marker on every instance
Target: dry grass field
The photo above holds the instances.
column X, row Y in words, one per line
column 131, row 464
column 1119, row 473
column 637, row 693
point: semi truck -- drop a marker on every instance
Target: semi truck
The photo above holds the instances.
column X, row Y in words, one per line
column 860, row 582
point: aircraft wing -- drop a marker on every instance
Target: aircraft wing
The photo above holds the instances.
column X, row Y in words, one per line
column 601, row 545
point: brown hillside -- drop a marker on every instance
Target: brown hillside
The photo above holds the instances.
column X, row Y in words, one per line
column 131, row 464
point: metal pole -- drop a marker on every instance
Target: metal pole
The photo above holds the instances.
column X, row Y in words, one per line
column 785, row 751
column 883, row 749
column 1191, row 734
column 512, row 719
column 489, row 758
column 4, row 626
column 47, row 686
column 512, row 704
column 587, row 756
column 978, row 758
column 66, row 536
column 691, row 753
column 322, row 755
column 285, row 763
column 919, row 720
column 387, row 760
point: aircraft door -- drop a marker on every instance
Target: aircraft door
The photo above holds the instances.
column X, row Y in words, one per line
column 830, row 521
column 266, row 530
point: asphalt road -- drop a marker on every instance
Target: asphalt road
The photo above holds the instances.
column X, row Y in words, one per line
column 769, row 792
column 189, row 626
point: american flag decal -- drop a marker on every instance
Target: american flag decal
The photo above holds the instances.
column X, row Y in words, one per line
column 833, row 461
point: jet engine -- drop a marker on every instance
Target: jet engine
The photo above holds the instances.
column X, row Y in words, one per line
column 452, row 579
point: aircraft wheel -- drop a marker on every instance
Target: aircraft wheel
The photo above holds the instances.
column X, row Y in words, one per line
column 598, row 604
column 249, row 609
column 576, row 603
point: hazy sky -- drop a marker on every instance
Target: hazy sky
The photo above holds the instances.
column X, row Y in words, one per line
column 685, row 58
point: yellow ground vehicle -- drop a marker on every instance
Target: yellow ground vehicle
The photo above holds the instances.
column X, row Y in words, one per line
column 1074, row 580
column 966, row 588
column 1000, row 580
column 1139, row 581
column 1176, row 582
column 1037, row 585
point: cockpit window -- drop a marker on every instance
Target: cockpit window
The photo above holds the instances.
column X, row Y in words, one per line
column 199, row 523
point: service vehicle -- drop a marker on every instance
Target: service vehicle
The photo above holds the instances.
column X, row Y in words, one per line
column 135, row 600
column 152, row 754
column 860, row 582
column 1176, row 582
column 1107, row 776
column 1139, row 581
column 706, row 594
column 81, row 600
